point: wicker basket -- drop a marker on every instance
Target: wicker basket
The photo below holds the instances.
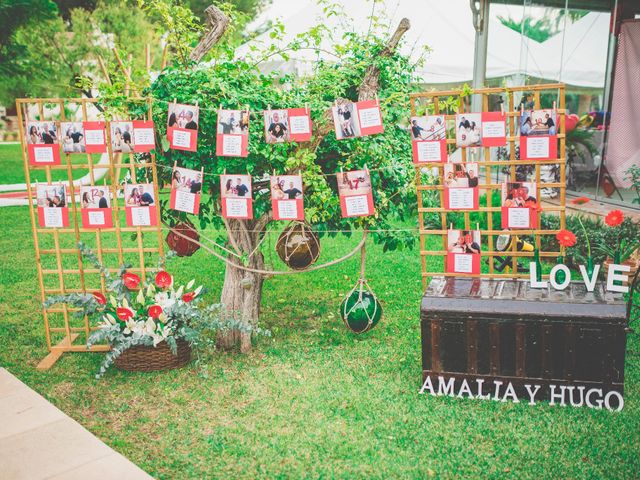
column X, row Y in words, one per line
column 150, row 359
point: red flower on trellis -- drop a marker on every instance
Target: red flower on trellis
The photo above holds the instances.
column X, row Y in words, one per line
column 163, row 279
column 154, row 311
column 124, row 314
column 130, row 280
column 566, row 238
column 100, row 298
column 580, row 200
column 189, row 296
column 614, row 218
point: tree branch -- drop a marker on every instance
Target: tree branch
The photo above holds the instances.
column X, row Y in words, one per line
column 217, row 23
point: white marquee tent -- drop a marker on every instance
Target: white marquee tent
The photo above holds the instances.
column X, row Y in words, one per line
column 447, row 29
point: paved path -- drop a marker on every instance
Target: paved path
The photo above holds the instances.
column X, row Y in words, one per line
column 38, row 441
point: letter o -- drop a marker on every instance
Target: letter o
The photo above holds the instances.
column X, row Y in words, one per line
column 620, row 401
column 554, row 272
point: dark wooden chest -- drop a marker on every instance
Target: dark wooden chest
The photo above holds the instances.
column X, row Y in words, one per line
column 475, row 328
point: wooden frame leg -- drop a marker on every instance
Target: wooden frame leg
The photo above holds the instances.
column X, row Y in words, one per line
column 56, row 352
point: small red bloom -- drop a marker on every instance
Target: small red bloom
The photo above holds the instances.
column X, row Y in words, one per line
column 124, row 314
column 189, row 296
column 614, row 218
column 131, row 280
column 154, row 311
column 580, row 200
column 566, row 238
column 100, row 298
column 163, row 279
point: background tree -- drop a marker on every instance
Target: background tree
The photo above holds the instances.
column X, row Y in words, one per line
column 365, row 67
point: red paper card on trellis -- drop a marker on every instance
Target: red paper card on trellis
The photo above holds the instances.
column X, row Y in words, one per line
column 428, row 139
column 494, row 129
column 538, row 135
column 463, row 251
column 461, row 186
column 144, row 138
column 140, row 205
column 53, row 211
column 232, row 138
column 94, row 137
column 186, row 187
column 236, row 196
column 356, row 199
column 286, row 197
column 519, row 205
column 43, row 143
column 182, row 127
column 95, row 207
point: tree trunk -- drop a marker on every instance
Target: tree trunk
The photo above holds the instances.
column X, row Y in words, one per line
column 242, row 291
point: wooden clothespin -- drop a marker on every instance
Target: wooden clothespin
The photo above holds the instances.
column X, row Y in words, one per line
column 502, row 108
column 451, row 226
column 175, row 100
column 306, row 107
column 554, row 104
column 269, row 107
column 196, row 103
column 175, row 164
column 477, row 226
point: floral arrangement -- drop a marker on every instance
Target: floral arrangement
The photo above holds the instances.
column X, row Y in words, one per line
column 623, row 248
column 146, row 313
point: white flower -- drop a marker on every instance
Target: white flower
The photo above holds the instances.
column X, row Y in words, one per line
column 190, row 284
column 140, row 297
column 109, row 319
column 164, row 300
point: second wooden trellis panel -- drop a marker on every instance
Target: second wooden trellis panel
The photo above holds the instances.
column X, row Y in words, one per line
column 435, row 220
column 61, row 268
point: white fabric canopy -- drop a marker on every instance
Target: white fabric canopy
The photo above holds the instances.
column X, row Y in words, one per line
column 446, row 28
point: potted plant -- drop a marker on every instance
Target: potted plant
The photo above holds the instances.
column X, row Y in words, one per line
column 150, row 325
column 624, row 251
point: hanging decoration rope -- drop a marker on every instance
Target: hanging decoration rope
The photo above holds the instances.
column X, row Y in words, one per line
column 361, row 310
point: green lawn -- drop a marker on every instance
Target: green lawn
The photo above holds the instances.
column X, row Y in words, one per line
column 13, row 166
column 312, row 401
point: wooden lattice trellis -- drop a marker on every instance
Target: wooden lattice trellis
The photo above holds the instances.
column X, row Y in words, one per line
column 60, row 266
column 432, row 103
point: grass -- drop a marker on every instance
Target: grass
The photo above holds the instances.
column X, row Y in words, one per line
column 13, row 166
column 312, row 401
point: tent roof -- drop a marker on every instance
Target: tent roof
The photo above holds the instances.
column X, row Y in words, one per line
column 447, row 29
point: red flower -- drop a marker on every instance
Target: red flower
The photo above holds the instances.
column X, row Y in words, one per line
column 124, row 314
column 566, row 238
column 163, row 279
column 100, row 298
column 189, row 296
column 580, row 200
column 131, row 280
column 154, row 311
column 614, row 218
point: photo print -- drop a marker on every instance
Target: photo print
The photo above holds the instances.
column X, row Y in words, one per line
column 538, row 135
column 53, row 211
column 461, row 186
column 73, row 138
column 519, row 205
column 186, row 188
column 429, row 138
column 94, row 137
column 356, row 198
column 144, row 139
column 232, row 138
column 236, row 195
column 276, row 126
column 140, row 204
column 469, row 129
column 182, row 126
column 300, row 128
column 121, row 136
column 95, row 207
column 357, row 119
column 463, row 251
column 494, row 129
column 286, row 197
column 43, row 143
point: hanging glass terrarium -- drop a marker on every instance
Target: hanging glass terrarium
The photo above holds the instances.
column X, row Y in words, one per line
column 298, row 246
